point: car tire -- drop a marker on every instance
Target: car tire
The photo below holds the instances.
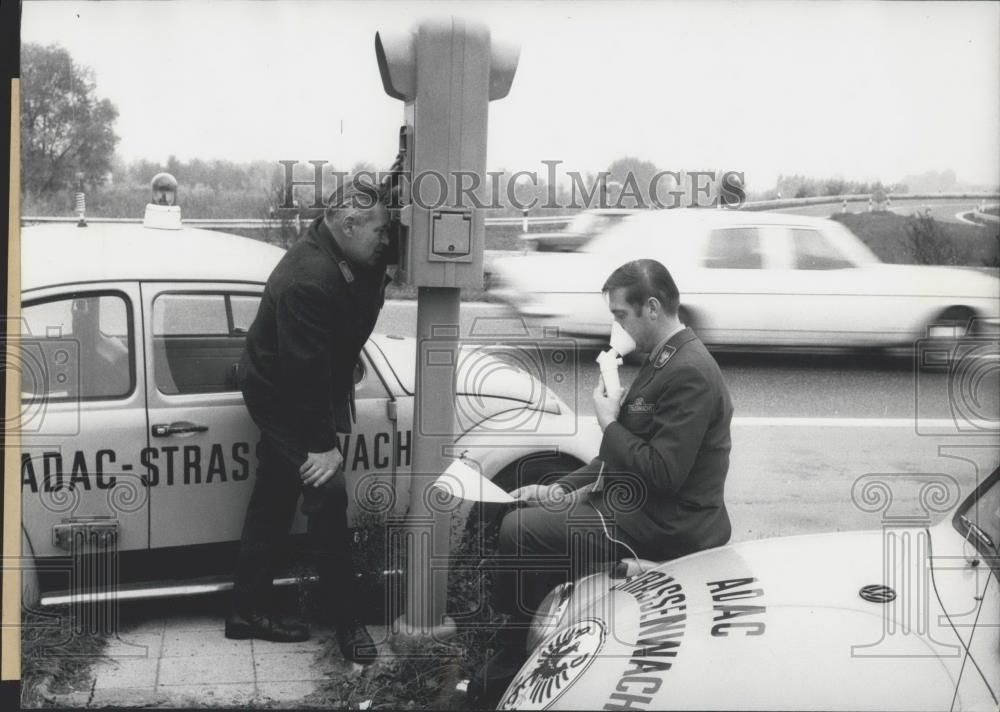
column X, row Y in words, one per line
column 533, row 469
column 536, row 468
column 944, row 333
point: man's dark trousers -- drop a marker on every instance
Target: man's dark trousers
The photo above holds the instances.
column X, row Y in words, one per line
column 265, row 529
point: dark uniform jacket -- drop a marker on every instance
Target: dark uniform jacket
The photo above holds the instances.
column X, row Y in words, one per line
column 316, row 314
column 667, row 454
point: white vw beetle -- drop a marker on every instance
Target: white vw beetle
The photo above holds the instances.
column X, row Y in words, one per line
column 756, row 279
column 135, row 440
column 906, row 618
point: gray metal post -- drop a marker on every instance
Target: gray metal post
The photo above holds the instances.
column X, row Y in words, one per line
column 427, row 533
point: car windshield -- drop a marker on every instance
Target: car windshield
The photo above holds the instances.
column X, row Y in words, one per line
column 581, row 223
column 587, row 223
column 849, row 244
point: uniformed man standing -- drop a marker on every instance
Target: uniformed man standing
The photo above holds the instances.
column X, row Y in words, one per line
column 656, row 488
column 319, row 307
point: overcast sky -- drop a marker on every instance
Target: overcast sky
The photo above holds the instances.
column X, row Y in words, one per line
column 861, row 90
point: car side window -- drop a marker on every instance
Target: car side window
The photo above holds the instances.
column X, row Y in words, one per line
column 814, row 251
column 244, row 311
column 734, row 248
column 77, row 347
column 198, row 340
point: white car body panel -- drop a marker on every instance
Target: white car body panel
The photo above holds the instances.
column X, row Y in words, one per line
column 864, row 305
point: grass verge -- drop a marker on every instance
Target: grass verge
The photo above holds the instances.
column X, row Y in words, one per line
column 920, row 239
column 55, row 654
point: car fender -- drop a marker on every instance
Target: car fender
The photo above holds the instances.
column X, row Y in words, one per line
column 492, row 449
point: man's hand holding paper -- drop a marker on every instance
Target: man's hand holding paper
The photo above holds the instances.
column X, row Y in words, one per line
column 541, row 494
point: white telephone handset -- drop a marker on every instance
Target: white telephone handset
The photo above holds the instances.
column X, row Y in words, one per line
column 620, row 344
column 609, row 362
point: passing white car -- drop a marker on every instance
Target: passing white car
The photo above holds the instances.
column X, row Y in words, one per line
column 905, row 618
column 756, row 279
column 135, row 441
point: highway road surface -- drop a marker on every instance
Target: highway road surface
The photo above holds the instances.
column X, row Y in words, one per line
column 809, row 428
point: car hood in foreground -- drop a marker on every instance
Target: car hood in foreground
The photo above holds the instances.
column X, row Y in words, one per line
column 772, row 624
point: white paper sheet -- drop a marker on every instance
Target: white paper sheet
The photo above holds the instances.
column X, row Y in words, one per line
column 461, row 480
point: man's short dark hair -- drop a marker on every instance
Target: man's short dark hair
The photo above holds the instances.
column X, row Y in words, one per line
column 643, row 279
column 357, row 193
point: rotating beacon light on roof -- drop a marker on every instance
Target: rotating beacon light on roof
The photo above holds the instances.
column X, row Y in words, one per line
column 162, row 213
column 446, row 71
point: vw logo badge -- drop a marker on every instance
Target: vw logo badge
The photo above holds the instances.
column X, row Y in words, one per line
column 877, row 593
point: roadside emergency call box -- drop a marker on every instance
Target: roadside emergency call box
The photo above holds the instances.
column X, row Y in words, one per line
column 446, row 71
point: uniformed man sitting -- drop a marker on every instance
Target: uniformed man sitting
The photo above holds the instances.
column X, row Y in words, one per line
column 655, row 491
column 319, row 307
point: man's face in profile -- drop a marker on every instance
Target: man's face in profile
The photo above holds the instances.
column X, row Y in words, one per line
column 367, row 233
column 630, row 318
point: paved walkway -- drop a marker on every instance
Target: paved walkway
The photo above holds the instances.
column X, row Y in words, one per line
column 181, row 658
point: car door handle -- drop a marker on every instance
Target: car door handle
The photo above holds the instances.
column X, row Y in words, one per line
column 181, row 427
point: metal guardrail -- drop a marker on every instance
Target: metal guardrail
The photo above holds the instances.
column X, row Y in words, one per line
column 861, row 197
column 262, row 223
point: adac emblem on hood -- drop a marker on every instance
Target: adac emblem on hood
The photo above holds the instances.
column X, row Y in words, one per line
column 555, row 666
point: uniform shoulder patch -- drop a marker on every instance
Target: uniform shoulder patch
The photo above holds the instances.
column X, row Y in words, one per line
column 345, row 269
column 664, row 356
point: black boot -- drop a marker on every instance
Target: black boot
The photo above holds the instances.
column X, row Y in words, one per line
column 496, row 674
column 355, row 643
column 241, row 627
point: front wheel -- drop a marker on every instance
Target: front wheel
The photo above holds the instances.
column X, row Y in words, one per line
column 537, row 468
column 533, row 469
column 939, row 349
